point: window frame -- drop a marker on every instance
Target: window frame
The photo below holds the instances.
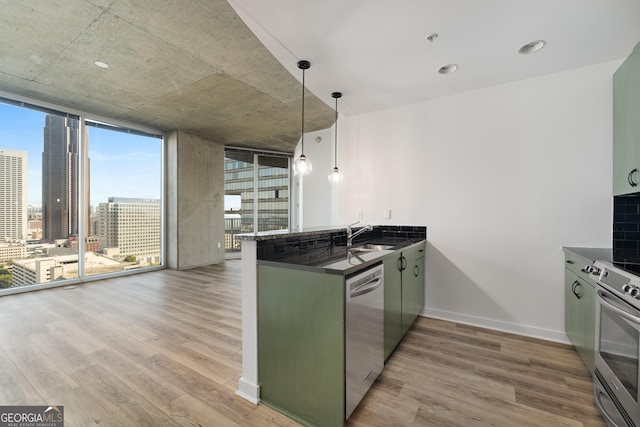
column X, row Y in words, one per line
column 257, row 178
column 84, row 204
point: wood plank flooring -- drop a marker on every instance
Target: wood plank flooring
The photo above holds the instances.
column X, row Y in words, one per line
column 164, row 349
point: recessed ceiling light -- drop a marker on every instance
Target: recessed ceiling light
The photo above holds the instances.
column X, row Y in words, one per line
column 448, row 69
column 101, row 64
column 431, row 37
column 532, row 47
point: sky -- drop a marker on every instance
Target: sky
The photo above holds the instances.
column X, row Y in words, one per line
column 122, row 165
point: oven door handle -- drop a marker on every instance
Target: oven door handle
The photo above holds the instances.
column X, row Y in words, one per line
column 630, row 316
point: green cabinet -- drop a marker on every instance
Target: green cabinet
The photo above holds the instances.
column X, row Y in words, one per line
column 392, row 302
column 301, row 344
column 626, row 125
column 403, row 293
column 301, row 333
column 412, row 286
column 580, row 308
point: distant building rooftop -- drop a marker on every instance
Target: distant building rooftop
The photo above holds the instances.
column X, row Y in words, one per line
column 132, row 200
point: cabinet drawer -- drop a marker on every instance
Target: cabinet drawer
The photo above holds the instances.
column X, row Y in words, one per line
column 576, row 264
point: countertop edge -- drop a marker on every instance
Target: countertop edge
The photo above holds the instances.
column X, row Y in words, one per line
column 277, row 234
column 339, row 271
column 326, row 270
column 592, row 254
column 316, row 231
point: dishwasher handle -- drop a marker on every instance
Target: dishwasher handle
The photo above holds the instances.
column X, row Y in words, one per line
column 366, row 287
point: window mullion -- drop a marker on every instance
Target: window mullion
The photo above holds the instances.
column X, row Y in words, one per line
column 255, row 193
column 83, row 203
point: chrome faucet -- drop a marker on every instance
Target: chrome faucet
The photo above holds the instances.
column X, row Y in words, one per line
column 351, row 235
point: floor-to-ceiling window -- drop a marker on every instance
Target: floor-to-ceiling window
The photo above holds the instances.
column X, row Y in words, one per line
column 56, row 172
column 256, row 193
column 125, row 176
column 273, row 192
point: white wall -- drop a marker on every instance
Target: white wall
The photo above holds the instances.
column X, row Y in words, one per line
column 503, row 177
column 320, row 198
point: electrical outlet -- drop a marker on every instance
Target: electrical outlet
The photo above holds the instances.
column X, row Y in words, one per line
column 360, row 214
column 387, row 214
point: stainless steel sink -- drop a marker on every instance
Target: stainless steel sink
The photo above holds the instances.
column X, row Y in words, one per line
column 372, row 247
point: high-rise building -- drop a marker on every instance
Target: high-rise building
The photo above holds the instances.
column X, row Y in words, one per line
column 272, row 191
column 60, row 178
column 131, row 225
column 13, row 195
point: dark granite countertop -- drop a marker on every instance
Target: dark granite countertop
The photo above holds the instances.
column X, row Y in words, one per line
column 324, row 249
column 337, row 259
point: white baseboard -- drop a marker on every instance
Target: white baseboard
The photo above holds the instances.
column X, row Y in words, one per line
column 498, row 325
column 249, row 391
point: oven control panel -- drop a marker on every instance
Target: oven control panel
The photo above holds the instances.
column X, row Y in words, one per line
column 624, row 284
column 592, row 269
column 631, row 290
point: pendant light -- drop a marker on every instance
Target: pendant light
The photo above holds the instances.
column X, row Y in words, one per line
column 335, row 176
column 302, row 165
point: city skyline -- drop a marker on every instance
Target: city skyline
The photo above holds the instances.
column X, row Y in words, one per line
column 123, row 165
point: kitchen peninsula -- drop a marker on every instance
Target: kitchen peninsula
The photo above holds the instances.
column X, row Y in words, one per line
column 295, row 281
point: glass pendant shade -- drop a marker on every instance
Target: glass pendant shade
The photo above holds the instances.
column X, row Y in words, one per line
column 335, row 176
column 302, row 165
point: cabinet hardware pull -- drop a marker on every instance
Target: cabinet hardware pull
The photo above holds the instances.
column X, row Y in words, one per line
column 401, row 263
column 416, row 271
column 573, row 289
column 569, row 261
column 630, row 178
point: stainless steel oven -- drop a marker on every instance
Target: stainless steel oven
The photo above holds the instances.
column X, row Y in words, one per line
column 617, row 347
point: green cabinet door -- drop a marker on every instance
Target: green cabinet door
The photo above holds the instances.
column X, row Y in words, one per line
column 301, row 344
column 572, row 309
column 404, row 293
column 626, row 125
column 579, row 321
column 412, row 285
column 392, row 302
column 418, row 272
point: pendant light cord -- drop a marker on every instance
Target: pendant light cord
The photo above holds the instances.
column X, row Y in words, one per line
column 302, row 125
column 335, row 140
column 336, row 95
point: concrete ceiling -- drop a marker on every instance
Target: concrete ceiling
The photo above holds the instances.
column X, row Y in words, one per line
column 376, row 52
column 190, row 65
column 197, row 65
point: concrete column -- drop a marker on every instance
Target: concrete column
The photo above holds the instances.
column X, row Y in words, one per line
column 195, row 201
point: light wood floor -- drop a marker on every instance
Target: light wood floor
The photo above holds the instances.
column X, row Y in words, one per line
column 164, row 349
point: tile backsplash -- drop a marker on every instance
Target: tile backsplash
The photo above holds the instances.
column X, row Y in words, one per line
column 274, row 248
column 626, row 228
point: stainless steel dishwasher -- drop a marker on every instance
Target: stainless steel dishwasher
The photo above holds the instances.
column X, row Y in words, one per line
column 364, row 333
